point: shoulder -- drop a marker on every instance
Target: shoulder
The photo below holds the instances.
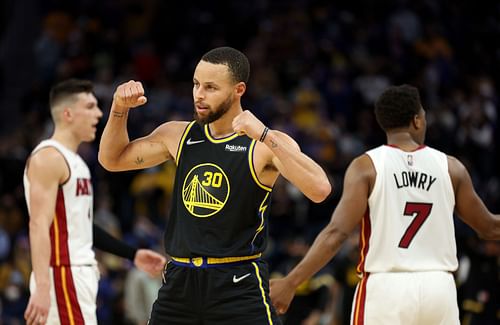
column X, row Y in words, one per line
column 361, row 171
column 362, row 165
column 169, row 132
column 457, row 170
column 172, row 127
column 48, row 162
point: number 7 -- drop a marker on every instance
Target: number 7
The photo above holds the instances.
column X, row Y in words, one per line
column 422, row 211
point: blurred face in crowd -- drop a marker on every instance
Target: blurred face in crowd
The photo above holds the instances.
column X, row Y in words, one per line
column 214, row 91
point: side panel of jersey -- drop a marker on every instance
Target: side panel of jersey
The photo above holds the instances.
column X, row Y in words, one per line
column 71, row 228
column 409, row 222
column 219, row 208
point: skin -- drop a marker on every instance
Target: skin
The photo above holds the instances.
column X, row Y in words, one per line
column 75, row 122
column 358, row 184
column 214, row 89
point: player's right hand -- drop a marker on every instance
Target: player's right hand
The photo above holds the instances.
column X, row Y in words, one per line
column 281, row 294
column 38, row 307
column 129, row 95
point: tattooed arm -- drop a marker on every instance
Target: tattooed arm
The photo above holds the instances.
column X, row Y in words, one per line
column 117, row 152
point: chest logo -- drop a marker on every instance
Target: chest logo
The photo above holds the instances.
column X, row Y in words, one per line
column 205, row 190
column 190, row 141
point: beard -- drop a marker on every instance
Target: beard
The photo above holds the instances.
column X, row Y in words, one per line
column 215, row 114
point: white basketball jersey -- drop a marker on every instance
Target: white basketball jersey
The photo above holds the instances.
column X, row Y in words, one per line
column 409, row 222
column 71, row 228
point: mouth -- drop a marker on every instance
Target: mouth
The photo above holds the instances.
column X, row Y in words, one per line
column 201, row 108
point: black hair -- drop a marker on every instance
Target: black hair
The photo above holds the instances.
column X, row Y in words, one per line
column 68, row 88
column 237, row 62
column 397, row 106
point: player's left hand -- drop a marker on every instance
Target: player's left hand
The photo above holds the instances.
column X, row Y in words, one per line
column 281, row 294
column 247, row 123
column 149, row 261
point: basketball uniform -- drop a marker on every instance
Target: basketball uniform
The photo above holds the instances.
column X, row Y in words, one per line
column 216, row 233
column 72, row 262
column 407, row 241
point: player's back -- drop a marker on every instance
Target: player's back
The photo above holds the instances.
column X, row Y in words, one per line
column 409, row 222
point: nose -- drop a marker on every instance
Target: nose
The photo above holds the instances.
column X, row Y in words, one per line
column 99, row 113
column 198, row 93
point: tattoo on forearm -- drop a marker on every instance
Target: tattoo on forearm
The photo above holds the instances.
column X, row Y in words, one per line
column 139, row 161
column 274, row 144
column 118, row 114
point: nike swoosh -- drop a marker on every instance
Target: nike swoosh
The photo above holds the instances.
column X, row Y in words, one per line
column 190, row 142
column 236, row 280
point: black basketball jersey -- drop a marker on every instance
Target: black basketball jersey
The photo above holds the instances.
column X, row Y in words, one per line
column 219, row 207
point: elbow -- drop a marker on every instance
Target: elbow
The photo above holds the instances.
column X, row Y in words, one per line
column 321, row 192
column 103, row 161
column 490, row 231
column 106, row 163
column 486, row 235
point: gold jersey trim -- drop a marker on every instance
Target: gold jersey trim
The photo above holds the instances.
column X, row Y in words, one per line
column 214, row 140
column 199, row 261
column 252, row 168
column 181, row 143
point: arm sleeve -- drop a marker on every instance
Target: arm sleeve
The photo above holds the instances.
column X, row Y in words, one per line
column 105, row 242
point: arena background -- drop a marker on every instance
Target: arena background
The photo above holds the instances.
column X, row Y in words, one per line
column 316, row 68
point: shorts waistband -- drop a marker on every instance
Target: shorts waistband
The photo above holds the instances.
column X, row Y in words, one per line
column 204, row 262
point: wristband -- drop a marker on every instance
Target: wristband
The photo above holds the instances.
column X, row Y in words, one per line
column 264, row 133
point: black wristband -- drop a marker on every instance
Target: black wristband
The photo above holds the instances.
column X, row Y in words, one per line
column 264, row 133
column 105, row 242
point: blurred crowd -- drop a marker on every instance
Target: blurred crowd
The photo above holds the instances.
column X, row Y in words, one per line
column 316, row 68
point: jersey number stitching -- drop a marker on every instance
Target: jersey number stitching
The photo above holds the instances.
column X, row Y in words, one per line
column 422, row 211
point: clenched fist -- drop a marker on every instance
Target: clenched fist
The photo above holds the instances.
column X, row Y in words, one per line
column 247, row 123
column 129, row 95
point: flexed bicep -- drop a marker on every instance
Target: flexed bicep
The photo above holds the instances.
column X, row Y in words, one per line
column 148, row 151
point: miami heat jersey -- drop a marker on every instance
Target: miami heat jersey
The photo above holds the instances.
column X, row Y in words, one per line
column 219, row 207
column 71, row 228
column 409, row 222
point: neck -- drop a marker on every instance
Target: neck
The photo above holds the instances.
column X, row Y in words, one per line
column 66, row 138
column 402, row 139
column 224, row 125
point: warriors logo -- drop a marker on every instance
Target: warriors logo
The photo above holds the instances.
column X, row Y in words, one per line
column 205, row 190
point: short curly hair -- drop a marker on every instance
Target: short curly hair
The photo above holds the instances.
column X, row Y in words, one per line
column 396, row 106
column 237, row 62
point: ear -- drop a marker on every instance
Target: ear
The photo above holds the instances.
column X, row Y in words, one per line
column 240, row 89
column 67, row 114
column 418, row 121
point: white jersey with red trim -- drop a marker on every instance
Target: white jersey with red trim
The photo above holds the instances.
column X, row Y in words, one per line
column 71, row 228
column 409, row 223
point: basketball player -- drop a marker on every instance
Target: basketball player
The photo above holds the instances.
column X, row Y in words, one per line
column 403, row 194
column 227, row 162
column 59, row 197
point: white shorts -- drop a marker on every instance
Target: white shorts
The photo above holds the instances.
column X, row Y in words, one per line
column 406, row 298
column 73, row 294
